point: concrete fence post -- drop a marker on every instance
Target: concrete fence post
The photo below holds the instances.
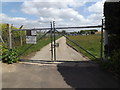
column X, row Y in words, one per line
column 9, row 36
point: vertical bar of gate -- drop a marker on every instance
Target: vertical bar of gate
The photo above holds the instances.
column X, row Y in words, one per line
column 54, row 42
column 101, row 49
column 51, row 42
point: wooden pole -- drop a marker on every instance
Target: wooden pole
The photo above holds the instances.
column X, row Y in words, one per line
column 9, row 36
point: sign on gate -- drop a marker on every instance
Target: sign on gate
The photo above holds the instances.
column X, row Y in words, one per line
column 33, row 33
column 31, row 37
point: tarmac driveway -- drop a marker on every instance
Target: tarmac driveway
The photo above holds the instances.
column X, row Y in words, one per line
column 57, row 75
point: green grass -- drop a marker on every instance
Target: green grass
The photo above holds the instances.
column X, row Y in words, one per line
column 36, row 47
column 90, row 42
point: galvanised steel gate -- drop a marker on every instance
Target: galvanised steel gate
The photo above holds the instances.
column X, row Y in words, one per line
column 52, row 30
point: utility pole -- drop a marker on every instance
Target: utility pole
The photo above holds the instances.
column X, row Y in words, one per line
column 9, row 36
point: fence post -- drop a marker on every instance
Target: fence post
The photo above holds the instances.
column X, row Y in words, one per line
column 21, row 37
column 9, row 36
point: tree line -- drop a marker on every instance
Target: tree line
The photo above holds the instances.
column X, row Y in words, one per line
column 81, row 32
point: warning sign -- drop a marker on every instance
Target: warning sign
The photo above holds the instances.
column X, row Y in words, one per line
column 33, row 32
column 31, row 39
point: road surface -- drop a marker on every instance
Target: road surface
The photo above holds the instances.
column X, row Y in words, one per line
column 82, row 74
column 62, row 75
column 63, row 52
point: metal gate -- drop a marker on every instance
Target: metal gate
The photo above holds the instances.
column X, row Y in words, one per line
column 53, row 30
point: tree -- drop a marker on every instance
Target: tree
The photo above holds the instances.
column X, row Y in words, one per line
column 63, row 32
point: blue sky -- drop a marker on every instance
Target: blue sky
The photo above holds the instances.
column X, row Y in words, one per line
column 35, row 14
column 13, row 9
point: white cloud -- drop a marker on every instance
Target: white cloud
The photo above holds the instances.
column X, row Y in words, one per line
column 97, row 7
column 64, row 13
column 50, row 0
column 95, row 19
column 57, row 11
column 18, row 21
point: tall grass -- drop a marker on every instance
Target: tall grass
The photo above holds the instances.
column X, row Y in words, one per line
column 90, row 42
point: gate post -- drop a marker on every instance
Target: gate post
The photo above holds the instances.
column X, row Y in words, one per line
column 54, row 41
column 101, row 50
column 51, row 42
column 9, row 36
column 106, row 45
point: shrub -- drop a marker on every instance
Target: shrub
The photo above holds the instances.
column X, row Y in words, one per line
column 9, row 55
column 115, row 61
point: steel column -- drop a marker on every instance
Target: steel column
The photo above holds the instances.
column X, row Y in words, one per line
column 51, row 42
column 101, row 49
column 106, row 45
column 54, row 41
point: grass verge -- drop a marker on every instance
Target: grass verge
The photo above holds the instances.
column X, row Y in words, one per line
column 90, row 42
column 36, row 47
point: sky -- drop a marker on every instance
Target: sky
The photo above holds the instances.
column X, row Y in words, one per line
column 39, row 13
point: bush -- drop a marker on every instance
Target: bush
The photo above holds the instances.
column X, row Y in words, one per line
column 9, row 55
column 115, row 61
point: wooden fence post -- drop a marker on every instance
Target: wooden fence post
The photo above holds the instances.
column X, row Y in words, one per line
column 9, row 36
